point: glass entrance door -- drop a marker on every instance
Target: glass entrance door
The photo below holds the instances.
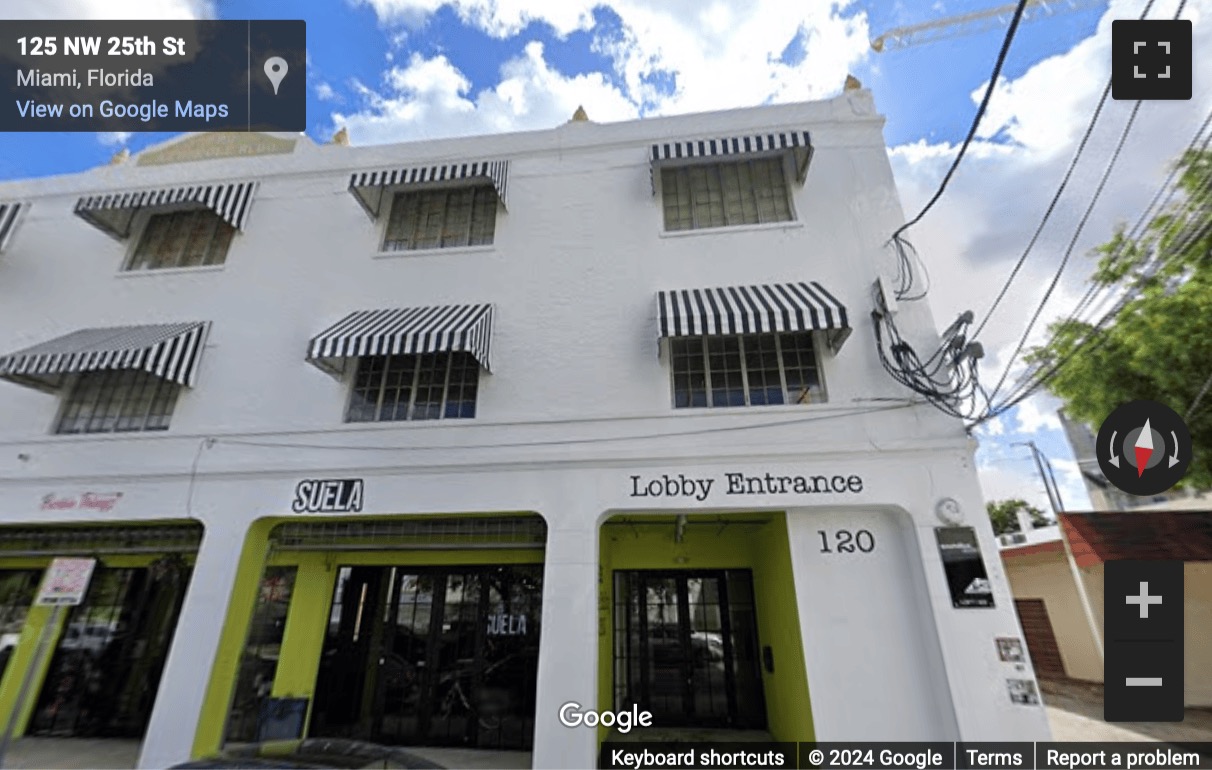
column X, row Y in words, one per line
column 686, row 648
column 438, row 656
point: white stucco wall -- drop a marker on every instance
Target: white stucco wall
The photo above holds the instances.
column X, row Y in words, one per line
column 577, row 402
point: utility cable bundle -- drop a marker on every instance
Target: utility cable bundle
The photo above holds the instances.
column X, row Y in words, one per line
column 948, row 379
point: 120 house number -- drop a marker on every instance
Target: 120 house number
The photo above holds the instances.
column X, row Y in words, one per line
column 846, row 541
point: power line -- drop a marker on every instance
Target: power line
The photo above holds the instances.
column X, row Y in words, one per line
column 976, row 120
column 905, row 265
column 1170, row 188
column 1081, row 148
column 1198, row 397
column 1093, row 338
column 904, row 404
column 1081, row 226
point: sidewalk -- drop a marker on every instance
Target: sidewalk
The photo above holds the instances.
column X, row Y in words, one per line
column 1075, row 711
column 72, row 754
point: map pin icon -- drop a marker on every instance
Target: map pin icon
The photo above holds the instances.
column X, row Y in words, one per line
column 275, row 70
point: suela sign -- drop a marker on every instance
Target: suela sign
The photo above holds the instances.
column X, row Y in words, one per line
column 328, row 496
column 502, row 624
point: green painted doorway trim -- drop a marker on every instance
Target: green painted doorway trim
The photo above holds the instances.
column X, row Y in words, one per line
column 758, row 542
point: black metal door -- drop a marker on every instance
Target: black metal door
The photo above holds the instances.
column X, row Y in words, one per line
column 686, row 648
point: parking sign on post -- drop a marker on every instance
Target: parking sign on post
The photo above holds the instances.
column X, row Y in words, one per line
column 65, row 583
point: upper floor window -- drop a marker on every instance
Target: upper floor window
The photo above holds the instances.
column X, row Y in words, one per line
column 745, row 370
column 747, row 192
column 182, row 239
column 428, row 386
column 116, row 401
column 443, row 218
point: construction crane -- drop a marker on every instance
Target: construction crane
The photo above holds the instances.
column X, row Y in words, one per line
column 975, row 22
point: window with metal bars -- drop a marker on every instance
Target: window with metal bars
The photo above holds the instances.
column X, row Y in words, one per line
column 191, row 238
column 428, row 386
column 745, row 370
column 116, row 402
column 747, row 192
column 439, row 219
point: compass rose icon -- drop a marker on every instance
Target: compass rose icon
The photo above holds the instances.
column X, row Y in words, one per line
column 1144, row 448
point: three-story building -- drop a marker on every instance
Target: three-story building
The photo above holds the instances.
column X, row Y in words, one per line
column 420, row 443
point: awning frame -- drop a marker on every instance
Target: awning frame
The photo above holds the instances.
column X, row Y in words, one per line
column 369, row 188
column 804, row 306
column 404, row 331
column 11, row 213
column 172, row 352
column 796, row 146
column 114, row 213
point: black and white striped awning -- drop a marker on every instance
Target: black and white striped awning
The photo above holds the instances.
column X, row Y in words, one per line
column 114, row 212
column 9, row 212
column 796, row 143
column 169, row 351
column 404, row 331
column 368, row 186
column 780, row 307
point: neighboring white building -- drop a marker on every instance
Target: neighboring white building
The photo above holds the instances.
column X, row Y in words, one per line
column 223, row 355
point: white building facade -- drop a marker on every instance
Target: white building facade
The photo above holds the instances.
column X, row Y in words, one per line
column 419, row 443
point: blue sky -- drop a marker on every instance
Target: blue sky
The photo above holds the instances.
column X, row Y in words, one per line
column 924, row 91
column 393, row 70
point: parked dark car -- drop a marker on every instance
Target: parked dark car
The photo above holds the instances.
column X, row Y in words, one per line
column 313, row 753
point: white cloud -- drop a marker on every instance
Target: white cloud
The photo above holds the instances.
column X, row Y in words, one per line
column 1013, row 477
column 1033, row 415
column 430, row 97
column 112, row 138
column 720, row 55
column 501, row 17
column 995, row 427
column 107, row 9
column 325, row 92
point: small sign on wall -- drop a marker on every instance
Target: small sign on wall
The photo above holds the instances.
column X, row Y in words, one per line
column 65, row 583
column 965, row 568
column 1010, row 650
column 1022, row 692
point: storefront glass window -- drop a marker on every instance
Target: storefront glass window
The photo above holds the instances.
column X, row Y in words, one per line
column 432, row 656
column 259, row 663
column 104, row 675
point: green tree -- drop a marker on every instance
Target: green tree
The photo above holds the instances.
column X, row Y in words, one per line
column 1004, row 515
column 1159, row 347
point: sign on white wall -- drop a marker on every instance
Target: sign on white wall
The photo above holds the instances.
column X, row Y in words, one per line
column 65, row 582
column 328, row 496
